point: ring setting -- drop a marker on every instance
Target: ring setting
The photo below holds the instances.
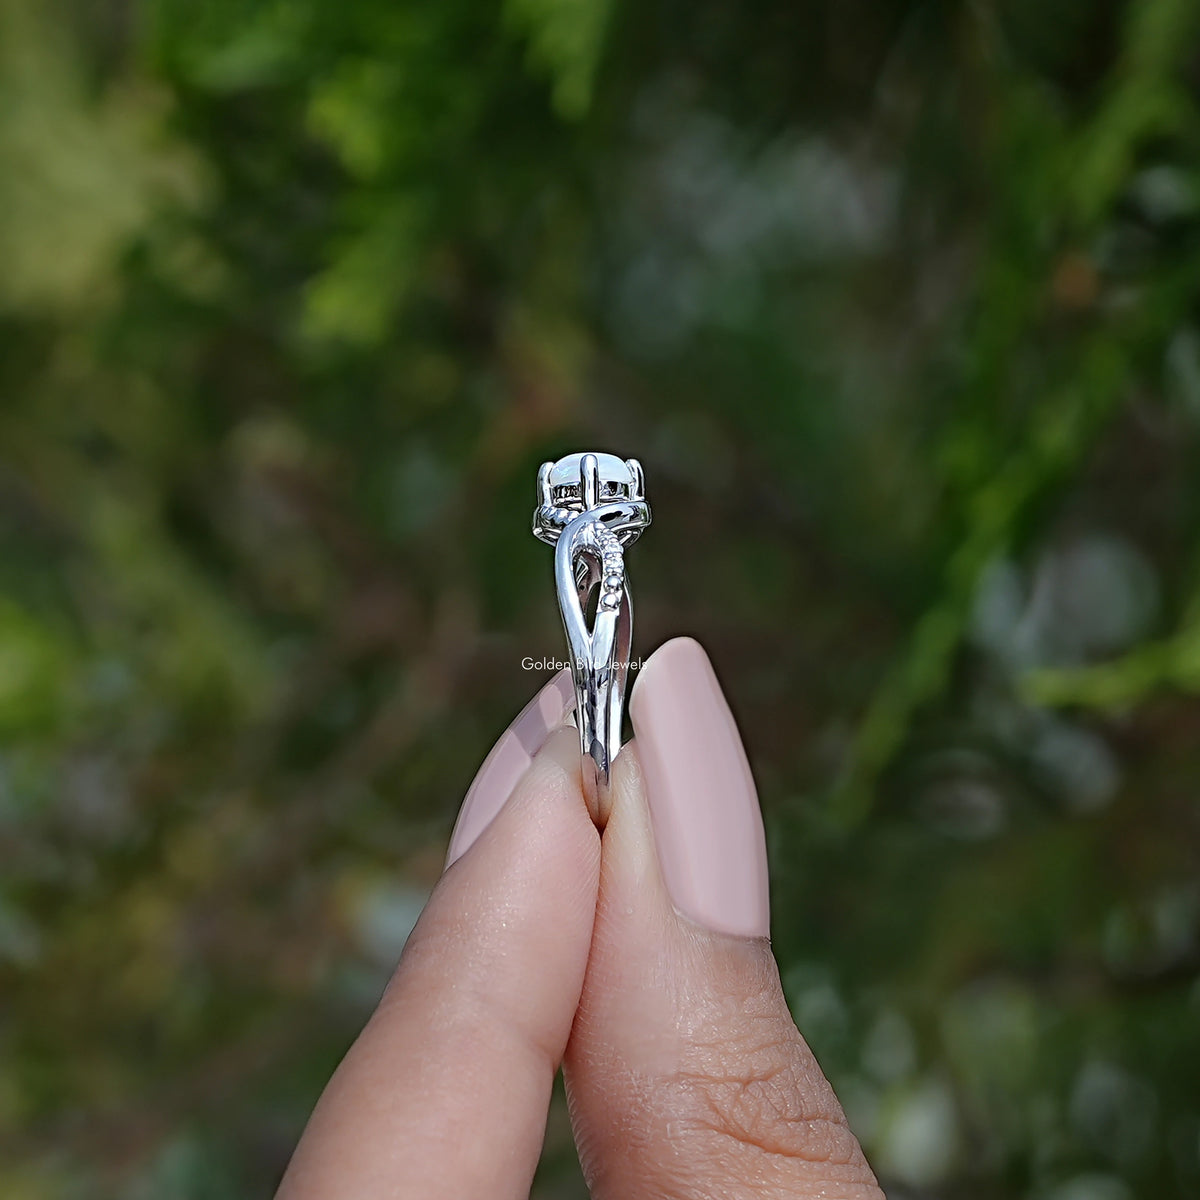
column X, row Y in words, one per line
column 592, row 508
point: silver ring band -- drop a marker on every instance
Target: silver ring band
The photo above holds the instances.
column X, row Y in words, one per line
column 591, row 507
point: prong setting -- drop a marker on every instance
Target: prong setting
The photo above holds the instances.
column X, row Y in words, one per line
column 579, row 483
column 638, row 485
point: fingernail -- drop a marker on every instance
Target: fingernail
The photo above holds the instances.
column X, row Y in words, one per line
column 703, row 803
column 508, row 760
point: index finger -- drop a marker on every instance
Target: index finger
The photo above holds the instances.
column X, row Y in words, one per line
column 445, row 1092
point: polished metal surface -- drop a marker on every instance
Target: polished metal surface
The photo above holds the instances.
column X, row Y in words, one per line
column 591, row 507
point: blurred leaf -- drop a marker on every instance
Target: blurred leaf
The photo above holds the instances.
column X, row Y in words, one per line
column 566, row 39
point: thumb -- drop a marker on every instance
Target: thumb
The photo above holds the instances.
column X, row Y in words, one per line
column 685, row 1072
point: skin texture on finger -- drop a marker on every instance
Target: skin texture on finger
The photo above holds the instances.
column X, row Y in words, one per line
column 508, row 760
column 445, row 1092
column 685, row 1073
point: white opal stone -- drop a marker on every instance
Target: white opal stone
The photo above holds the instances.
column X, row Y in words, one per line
column 613, row 470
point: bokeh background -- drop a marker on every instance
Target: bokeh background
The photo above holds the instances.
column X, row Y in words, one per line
column 896, row 300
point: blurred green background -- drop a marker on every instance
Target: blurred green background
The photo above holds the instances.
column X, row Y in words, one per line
column 898, row 302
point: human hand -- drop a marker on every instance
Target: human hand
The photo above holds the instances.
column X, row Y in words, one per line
column 638, row 960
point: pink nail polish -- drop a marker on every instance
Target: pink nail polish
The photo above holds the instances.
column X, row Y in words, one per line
column 508, row 760
column 703, row 803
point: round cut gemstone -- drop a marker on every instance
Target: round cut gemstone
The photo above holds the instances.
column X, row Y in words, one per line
column 616, row 479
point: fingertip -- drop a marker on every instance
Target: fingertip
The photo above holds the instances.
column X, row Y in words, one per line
column 665, row 660
column 508, row 761
column 702, row 798
column 561, row 753
column 551, row 831
column 542, row 851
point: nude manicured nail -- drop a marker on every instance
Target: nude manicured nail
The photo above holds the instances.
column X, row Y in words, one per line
column 702, row 798
column 508, row 760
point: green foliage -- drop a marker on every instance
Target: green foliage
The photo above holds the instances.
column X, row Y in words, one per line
column 898, row 305
column 565, row 39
